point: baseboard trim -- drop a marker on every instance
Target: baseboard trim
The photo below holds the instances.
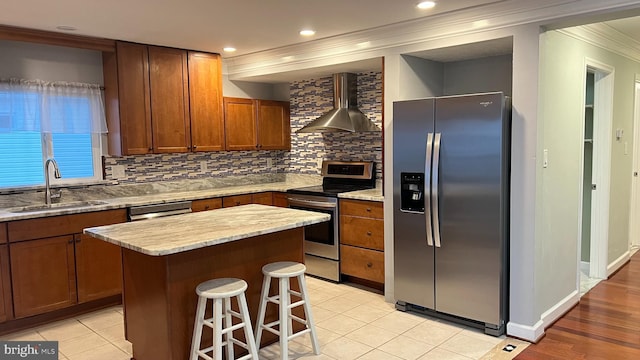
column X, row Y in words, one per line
column 562, row 307
column 525, row 332
column 618, row 263
column 536, row 332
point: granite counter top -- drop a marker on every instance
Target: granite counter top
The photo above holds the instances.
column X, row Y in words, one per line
column 124, row 200
column 368, row 194
column 174, row 234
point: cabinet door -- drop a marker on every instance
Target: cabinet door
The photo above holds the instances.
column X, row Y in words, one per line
column 280, row 199
column 236, row 200
column 206, row 204
column 168, row 82
column 3, row 233
column 98, row 268
column 6, row 309
column 133, row 95
column 205, row 100
column 274, row 130
column 265, row 198
column 240, row 124
column 43, row 275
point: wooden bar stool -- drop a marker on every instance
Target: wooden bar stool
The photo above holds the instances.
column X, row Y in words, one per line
column 283, row 271
column 221, row 291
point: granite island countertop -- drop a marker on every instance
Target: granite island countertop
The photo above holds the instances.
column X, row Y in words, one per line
column 174, row 234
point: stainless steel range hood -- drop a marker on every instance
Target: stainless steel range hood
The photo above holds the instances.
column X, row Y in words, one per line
column 345, row 115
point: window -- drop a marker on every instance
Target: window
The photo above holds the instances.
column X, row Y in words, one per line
column 39, row 120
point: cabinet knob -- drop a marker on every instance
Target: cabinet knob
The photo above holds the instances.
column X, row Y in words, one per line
column 368, row 233
column 150, row 148
column 193, row 147
column 206, row 207
column 369, row 264
column 70, row 241
column 368, row 209
column 78, row 240
column 237, row 202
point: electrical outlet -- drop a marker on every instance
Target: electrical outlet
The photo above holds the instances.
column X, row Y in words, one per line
column 269, row 162
column 203, row 166
column 118, row 171
column 545, row 158
column 319, row 163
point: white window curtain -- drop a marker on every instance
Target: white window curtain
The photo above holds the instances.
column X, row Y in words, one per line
column 52, row 107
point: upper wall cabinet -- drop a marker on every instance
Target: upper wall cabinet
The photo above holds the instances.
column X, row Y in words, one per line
column 162, row 100
column 256, row 124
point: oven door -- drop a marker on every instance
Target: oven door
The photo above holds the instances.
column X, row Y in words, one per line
column 319, row 239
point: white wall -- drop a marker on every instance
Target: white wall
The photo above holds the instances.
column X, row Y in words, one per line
column 487, row 74
column 562, row 95
column 50, row 63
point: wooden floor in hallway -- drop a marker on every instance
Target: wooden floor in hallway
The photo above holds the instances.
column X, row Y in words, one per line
column 605, row 324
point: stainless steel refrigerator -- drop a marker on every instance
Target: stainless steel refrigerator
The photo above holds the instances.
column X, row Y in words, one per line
column 451, row 207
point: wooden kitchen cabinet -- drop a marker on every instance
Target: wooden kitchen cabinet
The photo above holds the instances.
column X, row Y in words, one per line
column 54, row 266
column 6, row 303
column 169, row 87
column 205, row 99
column 280, row 199
column 362, row 239
column 206, row 204
column 256, row 124
column 3, row 233
column 128, row 108
column 167, row 100
column 237, row 200
column 43, row 275
column 265, row 198
column 98, row 268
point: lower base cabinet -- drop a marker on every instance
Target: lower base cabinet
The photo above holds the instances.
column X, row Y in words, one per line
column 6, row 301
column 43, row 274
column 64, row 269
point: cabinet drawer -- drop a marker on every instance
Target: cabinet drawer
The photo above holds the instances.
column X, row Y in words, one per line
column 362, row 263
column 280, row 199
column 362, row 232
column 265, row 198
column 236, row 200
column 62, row 225
column 370, row 209
column 206, row 204
column 3, row 233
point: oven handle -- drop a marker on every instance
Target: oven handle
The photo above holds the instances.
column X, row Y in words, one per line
column 309, row 203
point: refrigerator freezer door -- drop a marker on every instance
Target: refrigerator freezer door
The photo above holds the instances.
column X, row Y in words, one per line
column 470, row 261
column 413, row 265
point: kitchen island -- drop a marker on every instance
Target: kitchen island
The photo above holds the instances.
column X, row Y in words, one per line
column 165, row 259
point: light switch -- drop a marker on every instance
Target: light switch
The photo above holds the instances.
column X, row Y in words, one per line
column 203, row 166
column 269, row 162
column 545, row 158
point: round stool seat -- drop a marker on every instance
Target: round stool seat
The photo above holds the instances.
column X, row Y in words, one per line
column 221, row 288
column 284, row 269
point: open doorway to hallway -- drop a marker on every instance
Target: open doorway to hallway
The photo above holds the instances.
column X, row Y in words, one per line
column 596, row 165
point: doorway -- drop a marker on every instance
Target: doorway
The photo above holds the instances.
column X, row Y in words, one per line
column 596, row 164
column 634, row 214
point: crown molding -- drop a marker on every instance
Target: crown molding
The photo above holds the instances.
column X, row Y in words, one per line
column 397, row 38
column 606, row 37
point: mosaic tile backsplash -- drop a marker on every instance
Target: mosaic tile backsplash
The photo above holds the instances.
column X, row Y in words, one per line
column 309, row 100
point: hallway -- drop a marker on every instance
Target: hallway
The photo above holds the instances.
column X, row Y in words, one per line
column 604, row 325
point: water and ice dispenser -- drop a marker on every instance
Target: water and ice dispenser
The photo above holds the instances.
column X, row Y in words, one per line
column 412, row 192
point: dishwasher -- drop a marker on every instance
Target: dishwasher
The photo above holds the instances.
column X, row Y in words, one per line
column 146, row 212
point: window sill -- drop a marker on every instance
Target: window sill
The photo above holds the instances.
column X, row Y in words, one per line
column 80, row 184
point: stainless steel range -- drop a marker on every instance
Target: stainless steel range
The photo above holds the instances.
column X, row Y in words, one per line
column 322, row 241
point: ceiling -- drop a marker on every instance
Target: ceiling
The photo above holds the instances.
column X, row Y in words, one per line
column 251, row 25
column 210, row 25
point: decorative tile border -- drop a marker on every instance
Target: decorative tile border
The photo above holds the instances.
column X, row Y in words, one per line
column 309, row 100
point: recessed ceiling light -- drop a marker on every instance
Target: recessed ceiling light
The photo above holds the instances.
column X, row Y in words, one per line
column 229, row 49
column 66, row 28
column 307, row 32
column 426, row 5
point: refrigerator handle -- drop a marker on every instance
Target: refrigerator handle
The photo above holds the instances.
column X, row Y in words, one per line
column 435, row 184
column 427, row 188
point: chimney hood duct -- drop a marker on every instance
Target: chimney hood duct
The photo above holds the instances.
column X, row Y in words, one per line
column 345, row 115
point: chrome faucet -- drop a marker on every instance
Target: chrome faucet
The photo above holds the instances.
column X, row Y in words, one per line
column 47, row 189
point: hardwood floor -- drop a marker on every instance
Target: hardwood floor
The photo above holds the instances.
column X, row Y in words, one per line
column 605, row 324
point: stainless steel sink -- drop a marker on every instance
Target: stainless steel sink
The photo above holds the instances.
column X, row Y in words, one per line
column 59, row 206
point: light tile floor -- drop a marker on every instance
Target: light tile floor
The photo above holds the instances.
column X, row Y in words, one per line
column 352, row 323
